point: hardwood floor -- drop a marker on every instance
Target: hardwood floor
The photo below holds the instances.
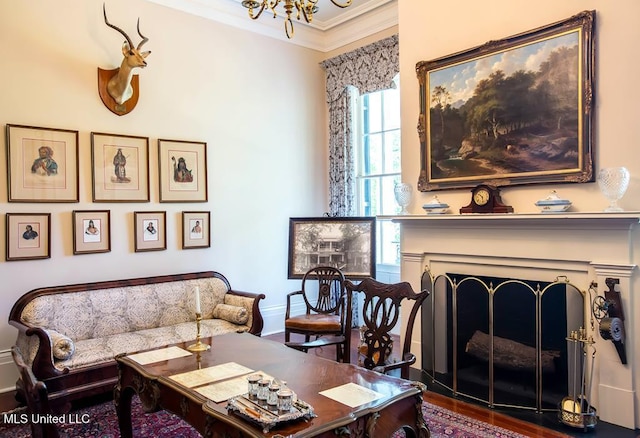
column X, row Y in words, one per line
column 492, row 417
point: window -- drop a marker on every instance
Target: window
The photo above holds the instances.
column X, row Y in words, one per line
column 378, row 166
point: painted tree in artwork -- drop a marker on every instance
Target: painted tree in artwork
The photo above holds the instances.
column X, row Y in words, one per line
column 440, row 98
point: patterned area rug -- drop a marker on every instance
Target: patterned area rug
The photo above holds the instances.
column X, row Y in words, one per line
column 102, row 422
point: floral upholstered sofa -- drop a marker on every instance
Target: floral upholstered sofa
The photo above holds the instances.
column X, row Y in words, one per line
column 69, row 335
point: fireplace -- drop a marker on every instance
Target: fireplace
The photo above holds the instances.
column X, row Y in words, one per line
column 505, row 338
column 585, row 248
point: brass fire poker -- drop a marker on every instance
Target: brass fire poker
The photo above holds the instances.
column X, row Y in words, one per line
column 198, row 346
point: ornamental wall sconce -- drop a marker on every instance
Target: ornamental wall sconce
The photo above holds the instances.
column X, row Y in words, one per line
column 119, row 88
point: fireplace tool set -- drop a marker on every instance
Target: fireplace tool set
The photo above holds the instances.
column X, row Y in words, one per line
column 575, row 410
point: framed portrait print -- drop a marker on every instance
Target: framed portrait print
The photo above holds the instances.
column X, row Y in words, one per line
column 120, row 168
column 183, row 171
column 42, row 164
column 150, row 230
column 510, row 112
column 91, row 231
column 195, row 229
column 346, row 243
column 28, row 236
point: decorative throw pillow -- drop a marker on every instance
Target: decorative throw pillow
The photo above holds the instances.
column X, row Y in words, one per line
column 234, row 314
column 62, row 346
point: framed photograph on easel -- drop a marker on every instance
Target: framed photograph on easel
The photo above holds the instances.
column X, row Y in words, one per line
column 346, row 243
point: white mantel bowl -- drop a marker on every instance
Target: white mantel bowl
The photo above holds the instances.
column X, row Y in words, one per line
column 434, row 206
column 553, row 204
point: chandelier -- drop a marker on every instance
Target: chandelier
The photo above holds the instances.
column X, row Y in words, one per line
column 304, row 8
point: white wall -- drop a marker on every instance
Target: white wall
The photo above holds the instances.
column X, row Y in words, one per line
column 431, row 29
column 253, row 100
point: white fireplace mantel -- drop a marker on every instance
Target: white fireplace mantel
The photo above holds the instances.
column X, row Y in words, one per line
column 621, row 220
column 588, row 247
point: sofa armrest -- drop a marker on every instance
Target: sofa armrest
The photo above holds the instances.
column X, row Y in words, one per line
column 42, row 366
column 255, row 319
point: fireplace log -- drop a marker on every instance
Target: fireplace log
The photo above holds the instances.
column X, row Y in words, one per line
column 510, row 354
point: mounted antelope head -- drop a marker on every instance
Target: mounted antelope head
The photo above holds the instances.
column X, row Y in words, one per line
column 121, row 85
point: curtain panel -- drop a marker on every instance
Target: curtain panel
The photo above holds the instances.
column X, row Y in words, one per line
column 364, row 70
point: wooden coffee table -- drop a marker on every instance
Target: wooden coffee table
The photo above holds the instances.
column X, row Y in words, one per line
column 399, row 407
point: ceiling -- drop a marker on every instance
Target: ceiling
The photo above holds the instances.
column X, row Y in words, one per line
column 332, row 27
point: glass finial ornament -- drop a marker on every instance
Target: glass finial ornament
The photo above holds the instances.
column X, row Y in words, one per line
column 402, row 192
column 613, row 182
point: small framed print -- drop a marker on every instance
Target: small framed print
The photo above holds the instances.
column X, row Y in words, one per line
column 183, row 171
column 28, row 236
column 43, row 164
column 91, row 231
column 195, row 229
column 120, row 165
column 150, row 230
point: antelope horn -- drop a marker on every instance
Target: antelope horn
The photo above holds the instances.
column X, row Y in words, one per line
column 144, row 38
column 124, row 34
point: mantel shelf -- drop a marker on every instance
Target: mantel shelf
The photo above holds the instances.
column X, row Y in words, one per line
column 596, row 220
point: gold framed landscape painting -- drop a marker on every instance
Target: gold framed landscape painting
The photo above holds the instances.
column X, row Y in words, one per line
column 42, row 164
column 120, row 168
column 514, row 111
column 28, row 236
column 182, row 171
column 150, row 230
column 196, row 229
column 91, row 231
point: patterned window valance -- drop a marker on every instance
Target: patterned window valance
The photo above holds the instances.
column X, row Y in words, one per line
column 369, row 68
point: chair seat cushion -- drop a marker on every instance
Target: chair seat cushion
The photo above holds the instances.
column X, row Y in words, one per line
column 314, row 322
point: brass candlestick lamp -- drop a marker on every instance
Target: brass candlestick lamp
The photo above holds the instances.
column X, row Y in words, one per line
column 198, row 346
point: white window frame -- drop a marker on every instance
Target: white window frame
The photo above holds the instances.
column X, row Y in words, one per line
column 387, row 272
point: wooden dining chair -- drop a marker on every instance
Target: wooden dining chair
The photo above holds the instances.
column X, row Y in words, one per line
column 381, row 314
column 327, row 316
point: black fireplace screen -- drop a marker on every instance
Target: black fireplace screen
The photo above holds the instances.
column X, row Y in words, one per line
column 500, row 340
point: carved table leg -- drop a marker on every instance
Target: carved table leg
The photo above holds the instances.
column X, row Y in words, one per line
column 421, row 425
column 122, row 399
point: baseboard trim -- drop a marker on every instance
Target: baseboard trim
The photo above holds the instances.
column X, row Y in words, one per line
column 8, row 372
column 274, row 317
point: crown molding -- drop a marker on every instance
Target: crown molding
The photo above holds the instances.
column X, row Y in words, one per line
column 383, row 17
column 354, row 24
column 350, row 13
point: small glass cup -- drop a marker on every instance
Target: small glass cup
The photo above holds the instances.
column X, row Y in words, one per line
column 285, row 398
column 272, row 397
column 263, row 391
column 253, row 380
